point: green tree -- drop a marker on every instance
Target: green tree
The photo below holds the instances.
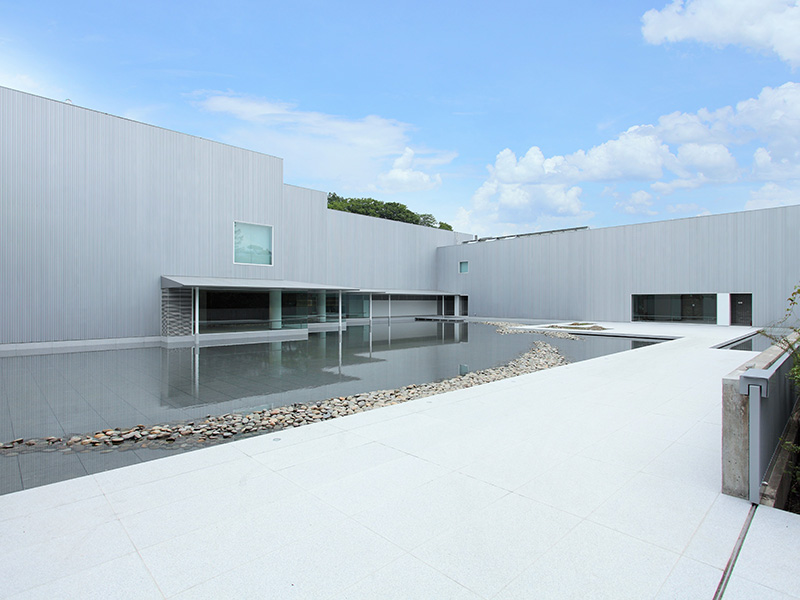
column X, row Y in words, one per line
column 361, row 206
column 786, row 333
column 394, row 211
column 427, row 219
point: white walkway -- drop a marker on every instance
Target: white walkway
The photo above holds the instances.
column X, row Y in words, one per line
column 596, row 480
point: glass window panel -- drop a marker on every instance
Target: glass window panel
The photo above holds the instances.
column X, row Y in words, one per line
column 252, row 244
column 463, row 266
column 690, row 308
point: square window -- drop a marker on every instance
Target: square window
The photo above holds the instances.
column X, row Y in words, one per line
column 463, row 266
column 252, row 244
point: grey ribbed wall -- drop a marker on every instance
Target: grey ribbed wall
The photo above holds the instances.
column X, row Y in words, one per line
column 338, row 248
column 591, row 274
column 95, row 208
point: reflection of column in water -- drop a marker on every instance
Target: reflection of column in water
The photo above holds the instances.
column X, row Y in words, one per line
column 457, row 332
column 166, row 355
column 340, row 317
column 340, row 349
column 316, row 349
column 196, row 314
column 276, row 354
column 389, row 324
column 370, row 340
column 196, row 370
column 320, row 342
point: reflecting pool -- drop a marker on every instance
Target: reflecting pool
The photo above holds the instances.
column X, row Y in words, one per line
column 73, row 393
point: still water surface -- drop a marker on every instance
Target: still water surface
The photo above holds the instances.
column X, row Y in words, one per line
column 63, row 394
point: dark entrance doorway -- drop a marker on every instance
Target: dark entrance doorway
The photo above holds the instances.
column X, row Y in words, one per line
column 449, row 306
column 742, row 309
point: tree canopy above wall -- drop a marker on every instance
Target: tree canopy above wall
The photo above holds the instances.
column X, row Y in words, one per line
column 394, row 211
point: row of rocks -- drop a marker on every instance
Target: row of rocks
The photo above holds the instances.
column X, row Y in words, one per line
column 213, row 429
column 504, row 328
column 580, row 327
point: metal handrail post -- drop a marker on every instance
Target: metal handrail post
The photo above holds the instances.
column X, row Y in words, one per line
column 755, row 383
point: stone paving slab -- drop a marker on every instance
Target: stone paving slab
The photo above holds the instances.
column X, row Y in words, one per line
column 767, row 566
column 594, row 479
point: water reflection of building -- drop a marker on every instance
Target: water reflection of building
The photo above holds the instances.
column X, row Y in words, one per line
column 193, row 375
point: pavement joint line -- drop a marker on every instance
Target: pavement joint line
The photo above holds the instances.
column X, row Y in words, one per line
column 726, row 575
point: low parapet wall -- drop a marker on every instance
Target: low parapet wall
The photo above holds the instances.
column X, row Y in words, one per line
column 766, row 379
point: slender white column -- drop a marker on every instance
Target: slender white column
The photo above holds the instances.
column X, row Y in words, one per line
column 275, row 309
column 321, row 306
column 340, row 332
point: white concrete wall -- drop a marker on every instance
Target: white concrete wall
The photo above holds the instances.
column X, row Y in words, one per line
column 723, row 309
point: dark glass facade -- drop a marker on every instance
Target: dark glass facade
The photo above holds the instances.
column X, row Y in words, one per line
column 688, row 308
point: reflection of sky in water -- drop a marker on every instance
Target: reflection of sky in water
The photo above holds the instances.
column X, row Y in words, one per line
column 60, row 394
column 757, row 342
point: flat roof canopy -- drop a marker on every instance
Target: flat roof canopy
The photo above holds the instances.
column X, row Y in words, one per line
column 232, row 283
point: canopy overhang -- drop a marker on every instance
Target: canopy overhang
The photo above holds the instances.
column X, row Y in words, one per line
column 231, row 283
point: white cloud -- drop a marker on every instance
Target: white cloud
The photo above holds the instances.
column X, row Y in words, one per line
column 404, row 178
column 665, row 188
column 486, row 224
column 771, row 194
column 556, row 199
column 764, row 25
column 636, row 153
column 682, row 151
column 700, row 127
column 518, row 194
column 639, row 203
column 781, row 168
column 354, row 154
column 712, row 161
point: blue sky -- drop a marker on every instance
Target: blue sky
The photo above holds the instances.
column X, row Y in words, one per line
column 497, row 118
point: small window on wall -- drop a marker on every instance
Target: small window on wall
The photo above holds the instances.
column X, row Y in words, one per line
column 252, row 244
column 463, row 266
